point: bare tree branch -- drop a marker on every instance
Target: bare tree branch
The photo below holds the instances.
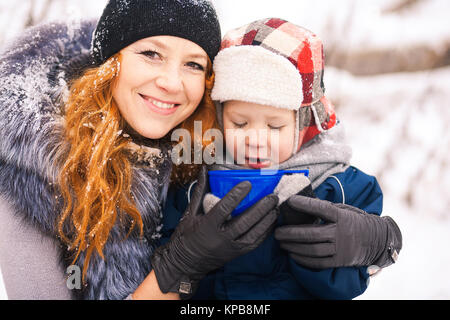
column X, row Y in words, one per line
column 402, row 5
column 32, row 18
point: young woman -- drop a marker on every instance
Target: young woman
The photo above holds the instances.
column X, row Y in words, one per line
column 86, row 118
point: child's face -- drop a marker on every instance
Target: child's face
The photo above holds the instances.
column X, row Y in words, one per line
column 261, row 136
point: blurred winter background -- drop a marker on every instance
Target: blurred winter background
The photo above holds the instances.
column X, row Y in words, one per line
column 388, row 75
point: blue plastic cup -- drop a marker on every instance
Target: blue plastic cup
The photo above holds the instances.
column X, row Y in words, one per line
column 263, row 183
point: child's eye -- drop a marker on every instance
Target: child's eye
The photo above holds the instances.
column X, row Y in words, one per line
column 239, row 125
column 275, row 127
column 196, row 66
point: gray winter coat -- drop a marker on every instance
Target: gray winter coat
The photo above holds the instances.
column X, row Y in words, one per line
column 34, row 74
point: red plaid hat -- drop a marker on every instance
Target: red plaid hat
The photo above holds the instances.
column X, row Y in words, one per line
column 274, row 62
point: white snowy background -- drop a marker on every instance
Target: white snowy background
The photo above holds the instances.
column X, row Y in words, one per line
column 388, row 74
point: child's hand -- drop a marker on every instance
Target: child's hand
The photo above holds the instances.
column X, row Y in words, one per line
column 209, row 201
column 291, row 184
column 288, row 186
column 348, row 237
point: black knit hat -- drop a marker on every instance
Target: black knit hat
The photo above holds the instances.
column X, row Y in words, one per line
column 124, row 22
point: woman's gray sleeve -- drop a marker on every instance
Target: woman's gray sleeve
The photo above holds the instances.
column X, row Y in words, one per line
column 29, row 260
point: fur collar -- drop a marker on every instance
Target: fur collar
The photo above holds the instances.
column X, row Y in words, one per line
column 34, row 74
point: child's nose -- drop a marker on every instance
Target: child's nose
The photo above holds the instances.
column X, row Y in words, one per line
column 257, row 141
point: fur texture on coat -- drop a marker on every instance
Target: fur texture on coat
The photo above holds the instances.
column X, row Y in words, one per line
column 34, row 74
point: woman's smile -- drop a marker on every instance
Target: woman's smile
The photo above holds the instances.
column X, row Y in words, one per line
column 159, row 106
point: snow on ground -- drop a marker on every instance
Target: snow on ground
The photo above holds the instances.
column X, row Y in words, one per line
column 3, row 295
column 421, row 270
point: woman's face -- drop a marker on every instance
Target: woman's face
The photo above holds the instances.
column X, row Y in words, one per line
column 161, row 83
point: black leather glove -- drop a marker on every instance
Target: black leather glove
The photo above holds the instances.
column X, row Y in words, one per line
column 294, row 216
column 347, row 236
column 204, row 242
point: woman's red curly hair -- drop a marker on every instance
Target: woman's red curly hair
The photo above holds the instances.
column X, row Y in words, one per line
column 95, row 179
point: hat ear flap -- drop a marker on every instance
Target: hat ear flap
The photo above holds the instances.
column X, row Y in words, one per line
column 303, row 121
column 317, row 118
column 296, row 132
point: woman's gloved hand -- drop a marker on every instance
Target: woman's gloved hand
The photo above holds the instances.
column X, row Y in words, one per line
column 204, row 242
column 347, row 236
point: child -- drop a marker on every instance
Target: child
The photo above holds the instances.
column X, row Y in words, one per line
column 269, row 76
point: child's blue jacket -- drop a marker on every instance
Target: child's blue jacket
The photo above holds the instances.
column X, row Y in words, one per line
column 267, row 272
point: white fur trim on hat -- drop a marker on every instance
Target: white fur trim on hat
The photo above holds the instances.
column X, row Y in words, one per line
column 257, row 75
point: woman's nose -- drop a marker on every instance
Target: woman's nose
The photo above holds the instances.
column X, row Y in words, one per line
column 169, row 79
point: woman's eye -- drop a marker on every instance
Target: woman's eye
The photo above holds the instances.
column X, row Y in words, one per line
column 239, row 125
column 151, row 54
column 196, row 66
